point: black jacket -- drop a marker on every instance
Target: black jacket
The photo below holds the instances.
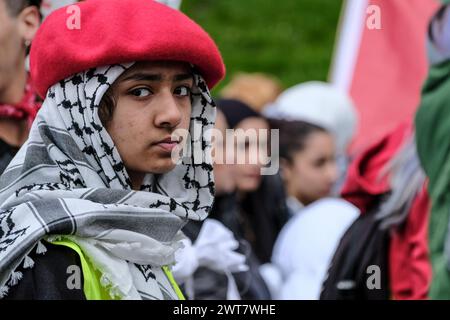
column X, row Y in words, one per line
column 49, row 279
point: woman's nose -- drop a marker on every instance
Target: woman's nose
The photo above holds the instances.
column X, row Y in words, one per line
column 169, row 113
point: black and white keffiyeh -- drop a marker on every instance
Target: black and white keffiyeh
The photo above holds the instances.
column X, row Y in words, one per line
column 69, row 180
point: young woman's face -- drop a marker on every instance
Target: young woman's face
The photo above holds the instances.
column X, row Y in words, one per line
column 248, row 175
column 152, row 99
column 313, row 171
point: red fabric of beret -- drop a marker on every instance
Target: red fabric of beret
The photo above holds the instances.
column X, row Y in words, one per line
column 117, row 31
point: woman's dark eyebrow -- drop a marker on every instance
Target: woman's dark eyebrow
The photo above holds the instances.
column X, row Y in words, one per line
column 183, row 76
column 156, row 77
column 143, row 77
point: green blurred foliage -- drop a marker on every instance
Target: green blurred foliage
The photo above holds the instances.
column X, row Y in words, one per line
column 291, row 39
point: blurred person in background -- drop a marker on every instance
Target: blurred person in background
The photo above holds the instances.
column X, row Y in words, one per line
column 321, row 104
column 19, row 21
column 260, row 198
column 306, row 244
column 212, row 266
column 257, row 90
column 390, row 237
column 432, row 123
column 308, row 162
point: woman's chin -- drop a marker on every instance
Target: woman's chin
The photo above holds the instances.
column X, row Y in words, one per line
column 164, row 166
column 248, row 186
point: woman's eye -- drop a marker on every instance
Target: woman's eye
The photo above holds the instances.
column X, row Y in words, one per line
column 141, row 92
column 320, row 162
column 183, row 91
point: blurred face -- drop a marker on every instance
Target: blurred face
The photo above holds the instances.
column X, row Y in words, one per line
column 152, row 99
column 313, row 171
column 223, row 173
column 14, row 32
column 248, row 176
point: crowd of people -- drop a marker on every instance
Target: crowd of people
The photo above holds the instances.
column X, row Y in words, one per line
column 95, row 177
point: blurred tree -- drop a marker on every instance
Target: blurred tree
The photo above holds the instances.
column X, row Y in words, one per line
column 291, row 39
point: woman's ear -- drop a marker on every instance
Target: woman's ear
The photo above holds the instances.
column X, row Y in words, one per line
column 29, row 20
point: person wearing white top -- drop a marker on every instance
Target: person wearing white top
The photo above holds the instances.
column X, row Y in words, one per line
column 305, row 246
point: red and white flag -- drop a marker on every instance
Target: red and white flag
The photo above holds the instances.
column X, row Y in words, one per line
column 380, row 60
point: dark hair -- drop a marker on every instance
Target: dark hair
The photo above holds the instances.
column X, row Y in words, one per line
column 293, row 135
column 106, row 107
column 235, row 111
column 15, row 7
column 265, row 212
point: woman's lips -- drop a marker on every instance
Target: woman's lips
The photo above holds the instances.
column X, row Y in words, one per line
column 167, row 146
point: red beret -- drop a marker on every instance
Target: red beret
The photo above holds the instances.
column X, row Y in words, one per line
column 118, row 31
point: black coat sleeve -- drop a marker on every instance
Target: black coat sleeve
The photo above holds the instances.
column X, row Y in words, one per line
column 49, row 277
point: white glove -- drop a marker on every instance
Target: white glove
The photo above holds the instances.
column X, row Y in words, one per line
column 213, row 249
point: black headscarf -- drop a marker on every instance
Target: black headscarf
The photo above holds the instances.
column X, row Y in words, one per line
column 235, row 111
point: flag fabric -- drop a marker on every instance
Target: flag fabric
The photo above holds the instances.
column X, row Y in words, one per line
column 380, row 59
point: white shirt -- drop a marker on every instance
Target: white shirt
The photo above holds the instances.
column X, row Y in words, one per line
column 305, row 246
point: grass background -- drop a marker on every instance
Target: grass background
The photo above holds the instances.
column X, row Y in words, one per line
column 291, row 39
